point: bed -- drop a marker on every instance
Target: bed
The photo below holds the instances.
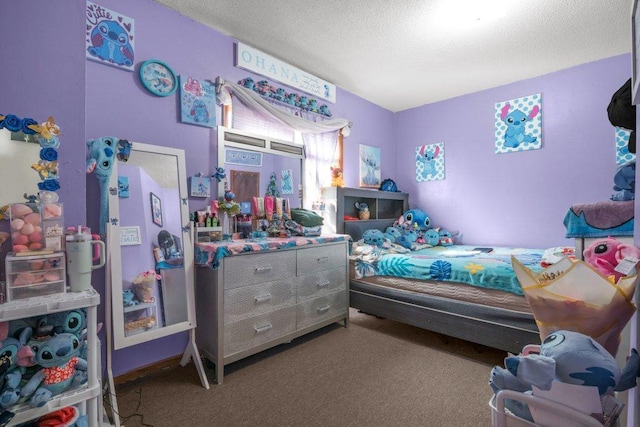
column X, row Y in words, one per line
column 461, row 291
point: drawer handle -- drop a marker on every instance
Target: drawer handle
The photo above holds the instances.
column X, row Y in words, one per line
column 263, row 269
column 263, row 298
column 324, row 284
column 323, row 260
column 324, row 309
column 265, row 328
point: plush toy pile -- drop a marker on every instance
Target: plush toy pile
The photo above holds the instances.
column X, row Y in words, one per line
column 42, row 357
column 411, row 231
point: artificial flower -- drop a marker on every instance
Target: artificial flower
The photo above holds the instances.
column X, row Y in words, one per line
column 49, row 185
column 49, row 154
column 11, row 122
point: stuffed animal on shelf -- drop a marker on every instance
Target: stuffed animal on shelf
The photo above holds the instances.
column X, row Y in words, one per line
column 15, row 354
column 128, row 298
column 58, row 357
column 336, row 177
column 605, row 254
column 568, row 357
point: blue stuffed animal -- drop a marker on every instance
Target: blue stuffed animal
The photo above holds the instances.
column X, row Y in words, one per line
column 14, row 355
column 431, row 237
column 445, row 238
column 393, row 234
column 415, row 219
column 373, row 237
column 101, row 155
column 58, row 357
column 568, row 357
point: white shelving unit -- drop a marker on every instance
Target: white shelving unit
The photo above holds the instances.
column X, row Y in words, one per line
column 87, row 395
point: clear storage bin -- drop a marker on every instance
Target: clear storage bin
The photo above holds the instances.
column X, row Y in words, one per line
column 35, row 275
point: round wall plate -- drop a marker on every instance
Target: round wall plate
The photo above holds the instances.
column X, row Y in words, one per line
column 158, row 77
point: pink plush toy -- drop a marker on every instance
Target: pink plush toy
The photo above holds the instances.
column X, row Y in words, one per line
column 604, row 255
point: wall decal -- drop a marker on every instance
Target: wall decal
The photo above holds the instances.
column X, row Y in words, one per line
column 430, row 162
column 518, row 124
column 200, row 186
column 369, row 166
column 123, row 187
column 110, row 37
column 197, row 102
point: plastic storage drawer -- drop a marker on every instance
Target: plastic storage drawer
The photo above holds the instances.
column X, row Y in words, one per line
column 35, row 275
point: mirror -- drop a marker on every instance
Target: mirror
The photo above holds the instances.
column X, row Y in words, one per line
column 251, row 162
column 20, row 151
column 150, row 245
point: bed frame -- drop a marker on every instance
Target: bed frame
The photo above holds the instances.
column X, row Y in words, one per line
column 490, row 326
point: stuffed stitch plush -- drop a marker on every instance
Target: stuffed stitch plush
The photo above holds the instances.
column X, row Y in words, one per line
column 445, row 238
column 58, row 357
column 568, row 357
column 415, row 219
column 431, row 237
column 14, row 355
column 605, row 254
column 373, row 237
column 101, row 154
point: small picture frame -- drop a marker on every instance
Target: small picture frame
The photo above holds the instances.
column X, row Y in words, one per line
column 200, row 186
column 156, row 210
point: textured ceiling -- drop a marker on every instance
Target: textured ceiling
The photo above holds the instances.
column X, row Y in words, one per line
column 406, row 53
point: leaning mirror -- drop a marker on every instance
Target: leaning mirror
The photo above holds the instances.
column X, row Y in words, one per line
column 150, row 246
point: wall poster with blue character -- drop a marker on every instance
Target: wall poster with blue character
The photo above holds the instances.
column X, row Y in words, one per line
column 369, row 166
column 518, row 124
column 623, row 155
column 110, row 37
column 197, row 102
column 430, row 162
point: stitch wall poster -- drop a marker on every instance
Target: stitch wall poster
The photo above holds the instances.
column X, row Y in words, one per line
column 622, row 146
column 123, row 187
column 286, row 185
column 369, row 166
column 110, row 37
column 430, row 162
column 518, row 124
column 197, row 102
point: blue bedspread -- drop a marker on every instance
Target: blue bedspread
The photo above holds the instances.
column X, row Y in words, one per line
column 458, row 263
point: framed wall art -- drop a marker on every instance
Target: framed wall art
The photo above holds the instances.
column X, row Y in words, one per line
column 197, row 102
column 156, row 210
column 518, row 124
column 430, row 162
column 241, row 157
column 110, row 37
column 369, row 166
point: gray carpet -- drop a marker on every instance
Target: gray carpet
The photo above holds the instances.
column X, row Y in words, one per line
column 375, row 373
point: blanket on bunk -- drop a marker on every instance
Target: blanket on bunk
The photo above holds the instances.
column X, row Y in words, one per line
column 601, row 219
column 482, row 267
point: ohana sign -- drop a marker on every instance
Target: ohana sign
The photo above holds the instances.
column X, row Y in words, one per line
column 253, row 60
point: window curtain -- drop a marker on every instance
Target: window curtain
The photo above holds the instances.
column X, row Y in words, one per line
column 319, row 135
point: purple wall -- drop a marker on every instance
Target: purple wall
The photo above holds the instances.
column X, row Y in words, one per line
column 516, row 198
column 489, row 198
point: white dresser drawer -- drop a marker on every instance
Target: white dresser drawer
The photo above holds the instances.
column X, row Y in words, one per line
column 254, row 300
column 319, row 309
column 321, row 258
column 251, row 332
column 321, row 283
column 243, row 270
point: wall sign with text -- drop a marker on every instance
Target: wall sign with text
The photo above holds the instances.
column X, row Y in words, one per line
column 253, row 60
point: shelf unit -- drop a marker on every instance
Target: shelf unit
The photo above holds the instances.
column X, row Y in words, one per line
column 135, row 322
column 88, row 393
column 385, row 207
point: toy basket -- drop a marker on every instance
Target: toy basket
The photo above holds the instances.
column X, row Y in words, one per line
column 364, row 215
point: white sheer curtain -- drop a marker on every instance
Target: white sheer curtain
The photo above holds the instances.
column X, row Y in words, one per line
column 319, row 135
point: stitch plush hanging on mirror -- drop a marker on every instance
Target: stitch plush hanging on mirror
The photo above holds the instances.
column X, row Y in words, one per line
column 518, row 124
column 101, row 155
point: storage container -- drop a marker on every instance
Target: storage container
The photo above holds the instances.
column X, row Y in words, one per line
column 35, row 275
column 36, row 226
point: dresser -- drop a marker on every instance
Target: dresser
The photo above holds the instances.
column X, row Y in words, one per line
column 258, row 299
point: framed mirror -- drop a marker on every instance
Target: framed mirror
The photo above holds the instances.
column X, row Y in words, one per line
column 20, row 151
column 258, row 160
column 150, row 245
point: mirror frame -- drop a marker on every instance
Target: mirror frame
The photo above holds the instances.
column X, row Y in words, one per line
column 114, row 255
column 47, row 166
column 233, row 138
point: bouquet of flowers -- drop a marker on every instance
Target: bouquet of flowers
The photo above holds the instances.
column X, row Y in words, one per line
column 146, row 276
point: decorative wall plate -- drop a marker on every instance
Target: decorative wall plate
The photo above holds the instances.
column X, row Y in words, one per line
column 158, row 77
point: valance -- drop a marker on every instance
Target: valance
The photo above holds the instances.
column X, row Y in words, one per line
column 254, row 101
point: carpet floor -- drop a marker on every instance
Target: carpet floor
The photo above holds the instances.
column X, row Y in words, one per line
column 376, row 372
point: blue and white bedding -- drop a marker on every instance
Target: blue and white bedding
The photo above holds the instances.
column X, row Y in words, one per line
column 458, row 263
